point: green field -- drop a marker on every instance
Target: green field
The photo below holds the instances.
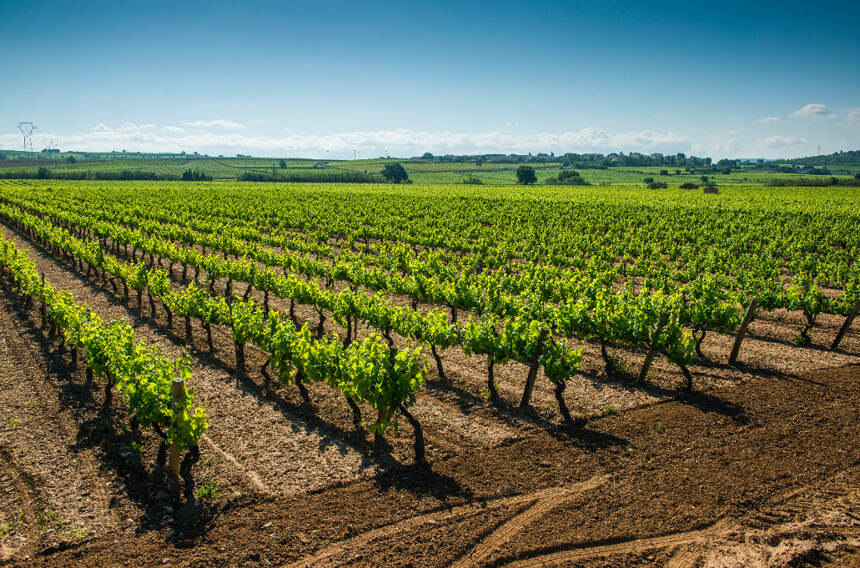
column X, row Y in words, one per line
column 419, row 171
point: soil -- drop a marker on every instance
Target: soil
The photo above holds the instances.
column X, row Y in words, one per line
column 760, row 466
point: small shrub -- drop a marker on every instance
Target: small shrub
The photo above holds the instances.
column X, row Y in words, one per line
column 209, row 490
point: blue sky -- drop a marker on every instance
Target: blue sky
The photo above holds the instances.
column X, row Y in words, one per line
column 326, row 78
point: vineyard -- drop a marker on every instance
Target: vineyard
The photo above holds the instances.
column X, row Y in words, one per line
column 341, row 375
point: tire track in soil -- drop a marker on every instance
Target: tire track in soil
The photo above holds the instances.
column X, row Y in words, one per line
column 554, row 495
column 811, row 521
column 519, row 522
column 684, row 557
column 64, row 477
column 720, row 529
column 252, row 476
column 287, row 460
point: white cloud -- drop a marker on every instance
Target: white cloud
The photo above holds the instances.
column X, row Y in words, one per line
column 852, row 114
column 512, row 124
column 781, row 141
column 220, row 123
column 769, row 119
column 256, row 121
column 813, row 110
column 400, row 142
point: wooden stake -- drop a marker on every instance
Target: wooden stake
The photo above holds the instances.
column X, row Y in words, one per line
column 533, row 369
column 652, row 351
column 177, row 399
column 742, row 331
column 845, row 326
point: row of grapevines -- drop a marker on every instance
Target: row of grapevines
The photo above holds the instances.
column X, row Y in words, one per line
column 140, row 372
column 368, row 371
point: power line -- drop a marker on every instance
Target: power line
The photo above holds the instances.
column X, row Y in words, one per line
column 27, row 129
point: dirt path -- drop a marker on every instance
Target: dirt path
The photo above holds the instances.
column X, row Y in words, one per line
column 54, row 488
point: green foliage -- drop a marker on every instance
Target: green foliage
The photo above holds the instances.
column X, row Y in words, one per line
column 526, row 175
column 395, row 173
column 141, row 373
column 208, row 490
column 567, row 177
column 195, row 175
column 517, row 259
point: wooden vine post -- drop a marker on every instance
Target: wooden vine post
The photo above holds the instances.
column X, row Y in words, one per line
column 533, row 369
column 177, row 400
column 845, row 326
column 652, row 350
column 742, row 331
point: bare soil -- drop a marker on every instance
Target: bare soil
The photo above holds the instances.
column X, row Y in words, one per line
column 759, row 467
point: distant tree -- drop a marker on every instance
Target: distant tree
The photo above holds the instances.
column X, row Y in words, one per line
column 567, row 177
column 194, row 175
column 526, row 175
column 71, row 159
column 689, row 186
column 2, row 156
column 648, row 180
column 42, row 173
column 657, row 185
column 857, row 175
column 677, row 172
column 282, row 164
column 704, row 179
column 664, row 172
column 427, row 156
column 395, row 173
